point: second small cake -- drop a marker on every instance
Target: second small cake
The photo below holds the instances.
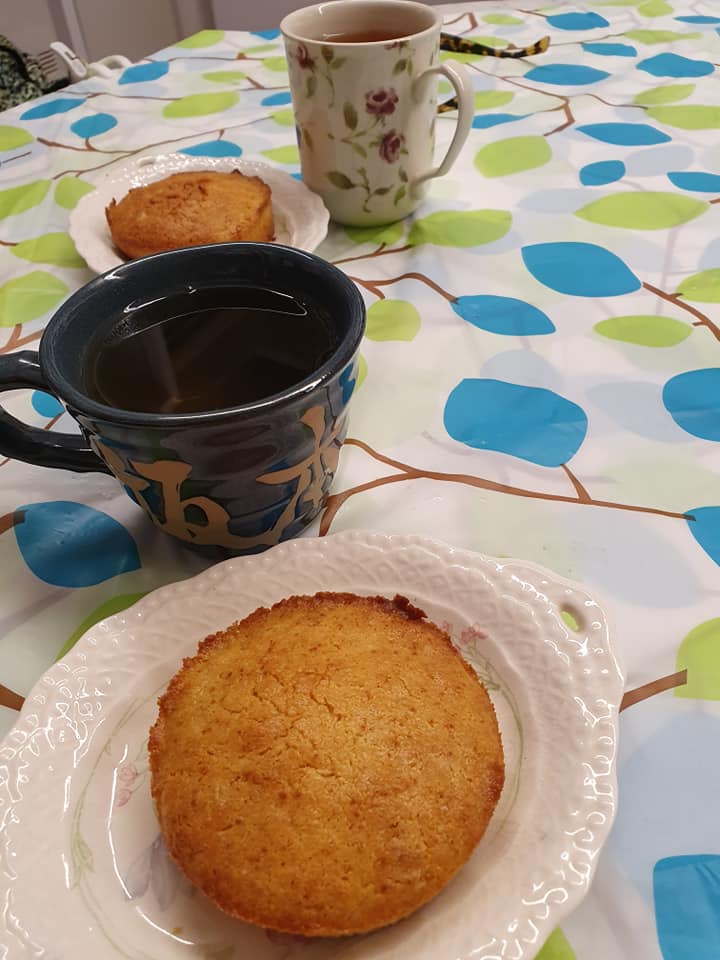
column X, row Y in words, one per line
column 325, row 767
column 186, row 209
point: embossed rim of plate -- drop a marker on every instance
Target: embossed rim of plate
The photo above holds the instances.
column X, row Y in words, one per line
column 301, row 214
column 585, row 674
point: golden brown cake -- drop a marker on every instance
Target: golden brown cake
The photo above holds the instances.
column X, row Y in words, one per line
column 191, row 208
column 326, row 766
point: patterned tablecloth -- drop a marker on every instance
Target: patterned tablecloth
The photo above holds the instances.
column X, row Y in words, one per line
column 540, row 378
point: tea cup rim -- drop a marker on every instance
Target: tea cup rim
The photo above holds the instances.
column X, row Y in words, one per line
column 291, row 32
column 56, row 340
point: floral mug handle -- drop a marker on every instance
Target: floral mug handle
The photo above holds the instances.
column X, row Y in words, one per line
column 460, row 80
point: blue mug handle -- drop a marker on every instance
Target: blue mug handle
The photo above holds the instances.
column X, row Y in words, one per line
column 64, row 451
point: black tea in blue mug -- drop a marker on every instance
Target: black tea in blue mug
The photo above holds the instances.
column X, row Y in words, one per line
column 213, row 382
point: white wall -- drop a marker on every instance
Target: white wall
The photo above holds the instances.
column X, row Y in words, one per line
column 138, row 27
column 96, row 28
column 32, row 24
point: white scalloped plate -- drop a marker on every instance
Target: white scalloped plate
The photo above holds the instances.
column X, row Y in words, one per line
column 301, row 218
column 83, row 872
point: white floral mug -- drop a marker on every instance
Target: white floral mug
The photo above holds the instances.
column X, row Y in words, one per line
column 363, row 76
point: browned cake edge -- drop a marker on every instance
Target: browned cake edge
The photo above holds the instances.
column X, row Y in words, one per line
column 399, row 606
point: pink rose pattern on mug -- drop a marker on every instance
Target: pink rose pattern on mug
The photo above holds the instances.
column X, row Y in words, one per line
column 364, row 123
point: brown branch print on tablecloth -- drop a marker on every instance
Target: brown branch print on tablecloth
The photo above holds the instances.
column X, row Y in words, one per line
column 651, row 689
column 336, row 500
column 127, row 154
column 15, row 339
column 374, row 286
column 701, row 319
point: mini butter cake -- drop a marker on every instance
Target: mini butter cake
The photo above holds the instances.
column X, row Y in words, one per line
column 326, row 766
column 186, row 209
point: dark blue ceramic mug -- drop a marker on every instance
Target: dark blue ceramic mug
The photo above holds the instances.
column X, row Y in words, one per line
column 235, row 480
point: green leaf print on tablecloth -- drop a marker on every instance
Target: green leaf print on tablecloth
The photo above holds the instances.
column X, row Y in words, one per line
column 461, row 228
column 54, row 248
column 29, row 297
column 556, row 947
column 286, row 118
column 501, row 19
column 276, row 64
column 650, row 37
column 701, row 287
column 224, row 76
column 392, row 320
column 654, row 8
column 106, row 609
column 262, row 48
column 691, row 116
column 643, row 211
column 645, row 331
column 513, row 155
column 204, row 38
column 13, row 137
column 699, row 654
column 16, row 200
column 69, row 191
column 288, row 154
column 201, row 104
column 667, row 94
column 489, row 99
column 386, row 235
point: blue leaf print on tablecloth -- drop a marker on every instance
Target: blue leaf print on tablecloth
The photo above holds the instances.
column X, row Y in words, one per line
column 69, row 544
column 93, row 125
column 687, row 906
column 602, row 172
column 276, row 99
column 143, row 72
column 579, row 269
column 565, row 74
column 610, row 49
column 503, row 315
column 696, row 180
column 673, row 65
column 45, row 404
column 52, row 107
column 213, row 148
column 527, row 422
column 693, row 401
column 625, row 134
column 699, row 18
column 482, row 121
column 577, row 21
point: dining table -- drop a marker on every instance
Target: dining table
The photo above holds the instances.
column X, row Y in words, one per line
column 539, row 379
